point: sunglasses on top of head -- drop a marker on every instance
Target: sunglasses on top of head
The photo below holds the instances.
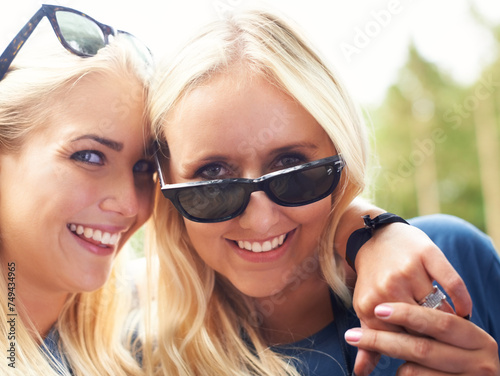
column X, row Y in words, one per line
column 221, row 200
column 78, row 33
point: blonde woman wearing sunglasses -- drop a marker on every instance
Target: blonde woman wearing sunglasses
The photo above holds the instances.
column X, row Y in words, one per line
column 261, row 152
column 76, row 183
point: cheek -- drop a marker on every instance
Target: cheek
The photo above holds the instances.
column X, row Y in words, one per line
column 311, row 220
column 62, row 199
column 206, row 239
column 311, row 215
column 199, row 233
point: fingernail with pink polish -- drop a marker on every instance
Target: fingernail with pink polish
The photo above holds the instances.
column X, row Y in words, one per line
column 383, row 311
column 353, row 335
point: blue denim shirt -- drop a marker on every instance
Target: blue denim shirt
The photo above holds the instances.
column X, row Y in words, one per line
column 51, row 347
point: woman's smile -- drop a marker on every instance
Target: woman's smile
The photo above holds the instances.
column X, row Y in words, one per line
column 95, row 236
column 270, row 250
column 262, row 246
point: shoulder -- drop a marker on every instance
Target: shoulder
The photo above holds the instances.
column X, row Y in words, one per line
column 435, row 223
column 459, row 240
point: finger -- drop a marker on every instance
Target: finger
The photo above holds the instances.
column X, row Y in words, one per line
column 424, row 351
column 446, row 307
column 375, row 323
column 443, row 273
column 410, row 368
column 366, row 361
column 444, row 327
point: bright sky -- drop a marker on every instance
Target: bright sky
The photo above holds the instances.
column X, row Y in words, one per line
column 366, row 40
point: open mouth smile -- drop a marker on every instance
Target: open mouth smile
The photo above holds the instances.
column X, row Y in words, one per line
column 266, row 246
column 97, row 237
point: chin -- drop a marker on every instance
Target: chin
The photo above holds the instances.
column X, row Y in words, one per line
column 92, row 281
column 260, row 290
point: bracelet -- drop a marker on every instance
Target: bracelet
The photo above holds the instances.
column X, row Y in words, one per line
column 362, row 235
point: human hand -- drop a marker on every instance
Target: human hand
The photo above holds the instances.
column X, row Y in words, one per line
column 399, row 264
column 444, row 343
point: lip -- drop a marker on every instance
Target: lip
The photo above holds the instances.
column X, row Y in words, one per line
column 93, row 248
column 264, row 257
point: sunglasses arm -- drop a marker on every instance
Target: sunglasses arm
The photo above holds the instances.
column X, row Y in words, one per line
column 13, row 48
column 160, row 173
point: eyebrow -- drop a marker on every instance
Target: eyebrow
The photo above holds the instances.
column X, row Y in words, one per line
column 297, row 146
column 117, row 146
column 223, row 158
column 189, row 166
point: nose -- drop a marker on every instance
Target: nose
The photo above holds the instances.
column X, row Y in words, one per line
column 122, row 196
column 260, row 214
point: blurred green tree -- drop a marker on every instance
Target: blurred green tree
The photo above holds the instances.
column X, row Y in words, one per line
column 438, row 144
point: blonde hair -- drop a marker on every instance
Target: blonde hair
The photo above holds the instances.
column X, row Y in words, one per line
column 91, row 325
column 195, row 305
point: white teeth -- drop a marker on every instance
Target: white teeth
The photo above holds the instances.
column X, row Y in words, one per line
column 88, row 232
column 97, row 235
column 276, row 242
column 105, row 238
column 266, row 246
column 256, row 247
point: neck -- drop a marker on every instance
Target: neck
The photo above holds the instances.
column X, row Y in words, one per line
column 296, row 314
column 40, row 307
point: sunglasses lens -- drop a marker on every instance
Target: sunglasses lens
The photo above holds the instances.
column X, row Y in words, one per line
column 80, row 33
column 212, row 202
column 139, row 47
column 303, row 187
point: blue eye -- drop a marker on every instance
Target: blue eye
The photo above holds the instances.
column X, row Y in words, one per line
column 213, row 171
column 89, row 156
column 290, row 161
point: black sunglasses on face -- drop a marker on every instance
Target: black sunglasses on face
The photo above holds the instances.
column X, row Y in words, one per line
column 78, row 33
column 220, row 200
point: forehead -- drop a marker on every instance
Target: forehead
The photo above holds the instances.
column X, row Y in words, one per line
column 97, row 104
column 234, row 112
column 118, row 94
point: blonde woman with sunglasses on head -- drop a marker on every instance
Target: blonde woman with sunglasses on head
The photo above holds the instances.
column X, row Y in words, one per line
column 76, row 182
column 252, row 278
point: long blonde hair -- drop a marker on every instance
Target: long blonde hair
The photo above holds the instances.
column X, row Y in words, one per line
column 91, row 325
column 195, row 305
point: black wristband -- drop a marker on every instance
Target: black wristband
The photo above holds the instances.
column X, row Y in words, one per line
column 361, row 236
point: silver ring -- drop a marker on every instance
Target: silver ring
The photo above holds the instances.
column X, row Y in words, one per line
column 434, row 299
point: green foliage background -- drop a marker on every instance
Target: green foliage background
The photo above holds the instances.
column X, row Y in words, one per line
column 437, row 144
